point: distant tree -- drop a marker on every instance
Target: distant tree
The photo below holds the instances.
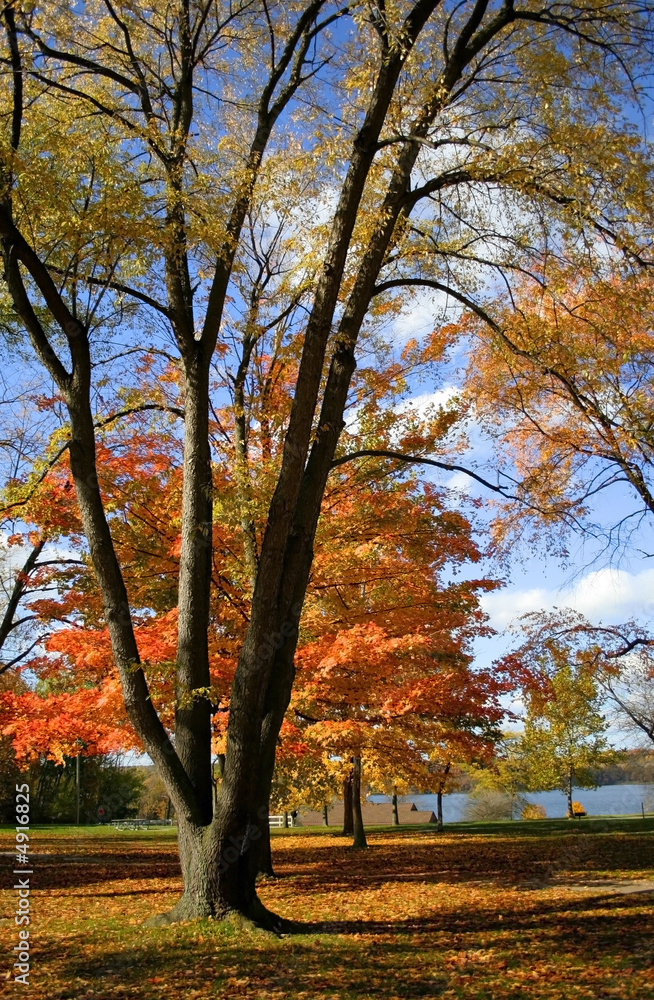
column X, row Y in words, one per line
column 485, row 805
column 629, row 686
column 620, row 659
column 153, row 802
column 103, row 783
column 502, row 781
column 564, row 737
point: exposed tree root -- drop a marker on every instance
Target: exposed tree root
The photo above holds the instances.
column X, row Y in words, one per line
column 255, row 916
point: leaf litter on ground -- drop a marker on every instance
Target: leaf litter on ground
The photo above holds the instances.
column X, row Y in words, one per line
column 457, row 915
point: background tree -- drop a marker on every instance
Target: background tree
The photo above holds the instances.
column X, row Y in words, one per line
column 499, row 786
column 618, row 657
column 172, row 131
column 630, row 689
column 560, row 378
column 564, row 737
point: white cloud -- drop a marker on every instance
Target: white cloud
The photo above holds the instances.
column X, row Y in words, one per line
column 419, row 405
column 423, row 311
column 609, row 595
column 613, row 594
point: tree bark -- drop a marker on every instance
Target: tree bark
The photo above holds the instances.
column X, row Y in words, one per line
column 348, row 816
column 396, row 818
column 213, row 872
column 359, row 841
column 265, row 852
column 439, row 799
column 571, row 814
column 193, row 711
column 325, row 815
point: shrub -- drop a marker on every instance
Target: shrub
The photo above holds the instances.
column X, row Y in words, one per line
column 533, row 811
column 577, row 810
column 490, row 806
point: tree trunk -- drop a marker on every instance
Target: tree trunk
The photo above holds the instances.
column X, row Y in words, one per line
column 571, row 814
column 265, row 852
column 325, row 815
column 396, row 818
column 348, row 817
column 359, row 832
column 439, row 800
column 217, row 875
column 285, row 820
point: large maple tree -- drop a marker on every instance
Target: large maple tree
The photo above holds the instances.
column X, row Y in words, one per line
column 395, row 144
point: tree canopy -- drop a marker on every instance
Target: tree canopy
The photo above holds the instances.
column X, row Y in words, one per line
column 214, row 211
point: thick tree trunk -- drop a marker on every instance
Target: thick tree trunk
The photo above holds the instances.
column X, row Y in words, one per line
column 213, row 886
column 348, row 818
column 359, row 841
column 396, row 818
column 325, row 815
column 193, row 712
column 265, row 853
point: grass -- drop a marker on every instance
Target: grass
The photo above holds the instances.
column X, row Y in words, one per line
column 518, row 911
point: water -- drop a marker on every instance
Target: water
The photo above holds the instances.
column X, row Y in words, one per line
column 608, row 800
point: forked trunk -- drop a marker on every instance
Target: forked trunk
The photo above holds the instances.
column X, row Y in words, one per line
column 221, row 861
column 219, row 876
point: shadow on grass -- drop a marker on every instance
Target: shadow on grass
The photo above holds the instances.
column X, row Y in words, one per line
column 380, row 958
column 501, row 860
column 65, row 871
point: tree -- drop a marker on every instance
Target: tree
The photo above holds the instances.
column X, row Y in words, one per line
column 445, row 770
column 499, row 786
column 123, row 230
column 389, row 680
column 618, row 657
column 562, row 382
column 564, row 737
column 630, row 687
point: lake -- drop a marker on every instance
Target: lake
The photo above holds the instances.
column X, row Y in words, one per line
column 608, row 800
